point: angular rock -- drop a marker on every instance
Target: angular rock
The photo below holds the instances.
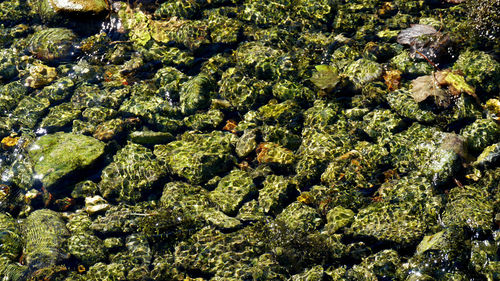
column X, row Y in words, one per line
column 57, row 155
column 276, row 192
column 232, row 191
column 198, row 157
column 133, row 172
column 87, row 248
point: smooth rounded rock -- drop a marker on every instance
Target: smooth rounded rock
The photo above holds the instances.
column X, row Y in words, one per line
column 80, row 6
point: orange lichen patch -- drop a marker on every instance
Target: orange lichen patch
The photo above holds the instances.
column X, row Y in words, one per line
column 392, row 79
column 9, row 142
column 230, row 126
column 306, row 198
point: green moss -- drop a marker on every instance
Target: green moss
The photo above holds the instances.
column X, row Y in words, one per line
column 59, row 154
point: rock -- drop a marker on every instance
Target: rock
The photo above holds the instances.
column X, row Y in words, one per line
column 45, row 234
column 59, row 116
column 337, row 218
column 489, row 156
column 299, row 217
column 60, row 154
column 40, row 75
column 195, row 93
column 96, row 204
column 10, row 240
column 481, row 134
column 198, row 157
column 150, row 137
column 29, row 110
column 247, row 143
column 52, row 44
column 232, row 191
column 133, row 172
column 277, row 191
column 469, row 207
column 87, row 248
column 79, row 6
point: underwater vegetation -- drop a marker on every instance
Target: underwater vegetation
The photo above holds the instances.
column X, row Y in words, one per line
column 249, row 140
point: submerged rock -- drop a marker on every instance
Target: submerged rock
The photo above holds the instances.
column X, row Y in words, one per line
column 45, row 234
column 10, row 240
column 132, row 172
column 58, row 155
column 232, row 191
column 198, row 157
column 52, row 44
column 79, row 6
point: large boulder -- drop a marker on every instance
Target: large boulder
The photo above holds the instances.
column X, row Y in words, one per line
column 58, row 155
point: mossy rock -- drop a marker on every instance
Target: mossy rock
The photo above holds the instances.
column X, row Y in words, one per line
column 133, row 172
column 60, row 154
column 45, row 234
column 198, row 157
column 232, row 191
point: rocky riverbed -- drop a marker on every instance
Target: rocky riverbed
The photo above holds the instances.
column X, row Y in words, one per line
column 250, row 140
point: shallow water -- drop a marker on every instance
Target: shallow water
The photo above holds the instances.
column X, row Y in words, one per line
column 250, row 140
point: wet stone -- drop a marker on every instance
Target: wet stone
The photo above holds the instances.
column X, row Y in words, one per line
column 401, row 223
column 404, row 105
column 206, row 251
column 195, row 93
column 276, row 192
column 59, row 90
column 299, row 217
column 118, row 219
column 205, row 121
column 221, row 220
column 150, row 137
column 337, row 218
column 381, row 124
column 133, row 172
column 59, row 116
column 45, row 233
column 52, row 44
column 10, row 95
column 87, row 248
column 29, row 110
column 10, row 240
column 273, row 153
column 60, row 154
column 188, row 198
column 489, row 156
column 246, row 143
column 198, row 157
column 251, row 211
column 232, row 191
column 480, row 134
column 78, row 221
column 435, row 154
column 102, row 271
column 79, row 6
column 315, row 273
column 363, row 71
column 96, row 204
column 8, row 69
column 469, row 206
